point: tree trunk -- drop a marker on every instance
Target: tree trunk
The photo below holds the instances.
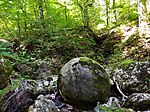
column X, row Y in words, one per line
column 23, row 9
column 41, row 13
column 85, row 17
column 107, row 13
column 114, row 11
column 143, row 18
column 66, row 17
column 19, row 27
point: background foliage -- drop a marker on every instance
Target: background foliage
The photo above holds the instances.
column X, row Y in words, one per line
column 104, row 30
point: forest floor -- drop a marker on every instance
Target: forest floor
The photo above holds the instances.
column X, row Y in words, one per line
column 46, row 54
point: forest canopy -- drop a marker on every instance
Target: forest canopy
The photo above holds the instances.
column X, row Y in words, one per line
column 21, row 18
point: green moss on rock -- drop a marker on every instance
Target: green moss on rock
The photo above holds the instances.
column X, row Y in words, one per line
column 114, row 109
column 83, row 80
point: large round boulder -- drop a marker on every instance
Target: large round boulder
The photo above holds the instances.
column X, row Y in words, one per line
column 82, row 82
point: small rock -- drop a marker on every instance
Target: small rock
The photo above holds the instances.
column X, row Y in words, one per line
column 113, row 102
column 46, row 83
column 37, row 86
column 43, row 104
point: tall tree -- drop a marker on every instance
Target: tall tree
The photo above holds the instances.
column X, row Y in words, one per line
column 85, row 14
column 143, row 17
column 84, row 7
column 114, row 11
column 40, row 2
column 107, row 12
column 23, row 8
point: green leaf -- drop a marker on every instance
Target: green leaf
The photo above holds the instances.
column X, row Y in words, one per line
column 6, row 54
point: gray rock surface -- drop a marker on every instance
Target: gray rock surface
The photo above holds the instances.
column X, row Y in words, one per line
column 138, row 101
column 43, row 104
column 20, row 99
column 135, row 78
column 83, row 81
column 113, row 102
column 17, row 101
column 38, row 86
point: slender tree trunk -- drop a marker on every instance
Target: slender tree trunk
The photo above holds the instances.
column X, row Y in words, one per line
column 66, row 17
column 85, row 14
column 114, row 11
column 143, row 18
column 19, row 27
column 81, row 8
column 18, row 22
column 84, row 11
column 86, row 17
column 107, row 12
column 23, row 9
column 41, row 13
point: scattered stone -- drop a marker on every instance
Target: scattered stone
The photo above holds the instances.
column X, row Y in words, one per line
column 83, row 82
column 138, row 101
column 135, row 78
column 43, row 104
column 38, row 86
column 113, row 102
column 43, row 70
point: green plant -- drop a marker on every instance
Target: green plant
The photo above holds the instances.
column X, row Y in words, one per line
column 5, row 50
column 113, row 109
column 5, row 54
column 126, row 63
column 6, row 66
column 1, row 91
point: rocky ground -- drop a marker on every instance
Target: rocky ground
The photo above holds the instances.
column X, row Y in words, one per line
column 128, row 89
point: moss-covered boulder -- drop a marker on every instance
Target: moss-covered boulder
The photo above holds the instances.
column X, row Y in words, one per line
column 83, row 82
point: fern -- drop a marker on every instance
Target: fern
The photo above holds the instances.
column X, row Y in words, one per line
column 5, row 51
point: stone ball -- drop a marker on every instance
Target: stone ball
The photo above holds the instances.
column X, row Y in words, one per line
column 83, row 82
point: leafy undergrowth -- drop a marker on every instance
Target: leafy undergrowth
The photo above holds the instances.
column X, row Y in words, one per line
column 34, row 56
column 46, row 54
column 109, row 109
column 40, row 56
column 131, row 48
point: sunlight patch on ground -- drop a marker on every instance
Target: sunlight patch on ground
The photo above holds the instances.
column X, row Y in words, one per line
column 99, row 26
column 128, row 31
